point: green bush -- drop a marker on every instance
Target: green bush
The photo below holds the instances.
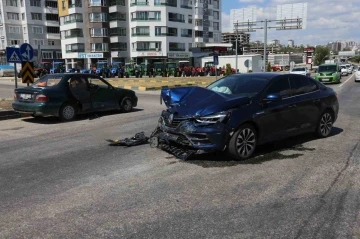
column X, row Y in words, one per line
column 228, row 70
column 250, row 71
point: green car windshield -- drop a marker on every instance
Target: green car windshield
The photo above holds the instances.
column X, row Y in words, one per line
column 47, row 81
column 327, row 69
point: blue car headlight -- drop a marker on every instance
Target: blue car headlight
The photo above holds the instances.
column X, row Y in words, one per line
column 214, row 118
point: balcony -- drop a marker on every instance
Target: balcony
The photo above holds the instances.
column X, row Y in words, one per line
column 146, row 19
column 75, row 50
column 147, row 49
column 139, row 3
column 73, row 21
column 138, row 34
column 74, row 35
column 169, row 3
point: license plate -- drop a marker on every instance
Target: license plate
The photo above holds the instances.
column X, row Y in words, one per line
column 25, row 96
column 325, row 80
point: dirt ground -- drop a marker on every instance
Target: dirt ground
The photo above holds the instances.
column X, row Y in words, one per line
column 5, row 105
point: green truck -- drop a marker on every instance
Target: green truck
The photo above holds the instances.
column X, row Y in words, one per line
column 328, row 73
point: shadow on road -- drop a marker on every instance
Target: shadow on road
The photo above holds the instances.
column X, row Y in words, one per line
column 90, row 116
column 264, row 153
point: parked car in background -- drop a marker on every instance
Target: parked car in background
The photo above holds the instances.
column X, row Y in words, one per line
column 67, row 94
column 357, row 75
column 239, row 112
column 328, row 73
column 300, row 71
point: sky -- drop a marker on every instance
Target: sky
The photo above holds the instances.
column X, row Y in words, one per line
column 327, row 20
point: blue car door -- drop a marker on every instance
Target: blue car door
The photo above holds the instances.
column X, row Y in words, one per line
column 306, row 94
column 276, row 119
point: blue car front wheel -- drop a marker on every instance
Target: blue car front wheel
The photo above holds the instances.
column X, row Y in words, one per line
column 242, row 145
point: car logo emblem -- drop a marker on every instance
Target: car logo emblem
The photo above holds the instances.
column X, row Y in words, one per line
column 171, row 118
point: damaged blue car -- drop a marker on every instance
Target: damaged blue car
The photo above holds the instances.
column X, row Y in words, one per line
column 239, row 112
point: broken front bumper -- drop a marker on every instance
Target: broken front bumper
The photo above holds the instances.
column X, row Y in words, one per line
column 202, row 138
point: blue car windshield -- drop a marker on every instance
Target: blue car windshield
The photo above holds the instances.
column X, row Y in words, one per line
column 246, row 85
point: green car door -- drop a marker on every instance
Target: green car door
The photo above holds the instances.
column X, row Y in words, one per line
column 103, row 95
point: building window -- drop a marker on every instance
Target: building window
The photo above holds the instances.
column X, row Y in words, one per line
column 38, row 30
column 147, row 46
column 118, row 31
column 216, row 15
column 216, row 26
column 216, row 4
column 63, row 5
column 55, row 30
column 52, row 17
column 118, row 46
column 99, row 47
column 117, row 16
column 171, row 3
column 77, row 17
column 15, row 42
column 176, row 17
column 58, row 55
column 38, row 42
column 35, row 3
column 140, row 31
column 217, row 37
column 98, row 3
column 99, row 32
column 51, row 43
column 47, row 55
column 11, row 3
column 98, row 17
column 144, row 16
column 77, row 47
column 36, row 16
column 186, row 32
column 23, row 16
column 24, row 30
column 13, row 16
column 22, row 3
column 198, row 22
column 190, row 19
column 51, row 4
column 175, row 46
column 14, row 30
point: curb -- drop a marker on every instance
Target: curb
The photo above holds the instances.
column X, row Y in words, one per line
column 10, row 114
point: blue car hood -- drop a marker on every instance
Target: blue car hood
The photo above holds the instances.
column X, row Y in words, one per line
column 198, row 101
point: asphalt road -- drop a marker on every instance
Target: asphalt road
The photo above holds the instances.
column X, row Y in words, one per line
column 62, row 180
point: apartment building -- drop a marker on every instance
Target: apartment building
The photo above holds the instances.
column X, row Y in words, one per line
column 138, row 30
column 31, row 21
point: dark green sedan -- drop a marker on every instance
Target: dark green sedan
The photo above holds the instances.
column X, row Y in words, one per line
column 67, row 94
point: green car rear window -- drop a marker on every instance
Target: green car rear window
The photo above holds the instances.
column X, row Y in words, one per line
column 47, row 81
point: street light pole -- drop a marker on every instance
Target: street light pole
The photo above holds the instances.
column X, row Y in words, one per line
column 236, row 47
column 265, row 42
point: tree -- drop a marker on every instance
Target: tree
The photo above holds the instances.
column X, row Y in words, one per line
column 347, row 49
column 268, row 67
column 321, row 54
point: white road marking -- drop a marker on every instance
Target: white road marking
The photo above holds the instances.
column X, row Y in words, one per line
column 346, row 80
